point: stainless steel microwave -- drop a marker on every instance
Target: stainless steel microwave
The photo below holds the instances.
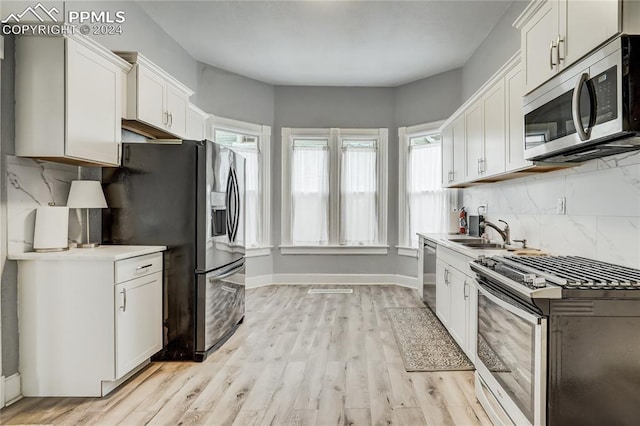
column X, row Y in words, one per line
column 590, row 110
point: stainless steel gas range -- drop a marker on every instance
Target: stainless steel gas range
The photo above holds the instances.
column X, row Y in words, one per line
column 558, row 340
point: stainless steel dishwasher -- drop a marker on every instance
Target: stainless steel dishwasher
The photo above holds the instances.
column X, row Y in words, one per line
column 429, row 274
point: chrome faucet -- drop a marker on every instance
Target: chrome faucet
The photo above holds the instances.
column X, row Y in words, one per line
column 504, row 233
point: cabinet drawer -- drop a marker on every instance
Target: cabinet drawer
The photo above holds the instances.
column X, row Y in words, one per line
column 455, row 259
column 135, row 267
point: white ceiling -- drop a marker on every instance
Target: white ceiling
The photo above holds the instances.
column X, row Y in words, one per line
column 330, row 43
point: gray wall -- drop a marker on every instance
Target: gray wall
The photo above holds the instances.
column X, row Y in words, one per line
column 230, row 95
column 430, row 99
column 501, row 43
column 8, row 304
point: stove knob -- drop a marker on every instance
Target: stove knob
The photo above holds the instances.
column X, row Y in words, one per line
column 482, row 259
column 539, row 282
column 528, row 278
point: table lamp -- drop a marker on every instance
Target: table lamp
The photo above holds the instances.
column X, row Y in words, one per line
column 86, row 194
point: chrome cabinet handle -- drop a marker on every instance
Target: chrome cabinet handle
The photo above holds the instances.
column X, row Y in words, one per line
column 229, row 289
column 450, row 175
column 575, row 109
column 551, row 46
column 124, row 302
column 165, row 118
column 558, row 41
column 139, row 268
column 446, row 276
column 170, row 119
column 464, row 291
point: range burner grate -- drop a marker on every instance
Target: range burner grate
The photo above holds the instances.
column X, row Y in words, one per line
column 582, row 273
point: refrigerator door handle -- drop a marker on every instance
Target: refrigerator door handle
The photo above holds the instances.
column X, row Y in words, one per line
column 236, row 206
column 228, row 218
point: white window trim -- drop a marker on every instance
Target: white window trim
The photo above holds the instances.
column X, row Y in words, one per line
column 334, row 135
column 263, row 133
column 405, row 133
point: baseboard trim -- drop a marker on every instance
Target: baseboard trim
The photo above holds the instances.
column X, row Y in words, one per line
column 12, row 391
column 333, row 279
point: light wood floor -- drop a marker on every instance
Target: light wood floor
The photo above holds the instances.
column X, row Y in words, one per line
column 324, row 359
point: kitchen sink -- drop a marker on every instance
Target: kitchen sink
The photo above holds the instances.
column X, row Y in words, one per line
column 483, row 245
column 466, row 240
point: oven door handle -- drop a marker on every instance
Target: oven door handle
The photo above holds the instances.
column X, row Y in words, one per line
column 519, row 312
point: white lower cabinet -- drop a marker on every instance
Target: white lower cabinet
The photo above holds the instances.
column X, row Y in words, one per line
column 87, row 321
column 456, row 299
column 138, row 312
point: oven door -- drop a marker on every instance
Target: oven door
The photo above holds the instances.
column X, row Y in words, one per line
column 512, row 354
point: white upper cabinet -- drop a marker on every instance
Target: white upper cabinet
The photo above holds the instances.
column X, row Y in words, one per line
column 538, row 38
column 68, row 100
column 157, row 103
column 493, row 126
column 474, row 141
column 483, row 141
column 557, row 33
column 514, row 89
column 196, row 123
column 453, row 152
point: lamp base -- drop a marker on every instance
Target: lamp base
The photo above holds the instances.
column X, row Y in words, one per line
column 88, row 245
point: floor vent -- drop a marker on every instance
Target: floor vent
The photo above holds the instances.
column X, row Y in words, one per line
column 330, row 291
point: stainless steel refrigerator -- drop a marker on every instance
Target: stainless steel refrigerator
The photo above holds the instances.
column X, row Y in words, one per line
column 189, row 196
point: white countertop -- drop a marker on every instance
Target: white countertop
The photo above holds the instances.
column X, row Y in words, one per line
column 105, row 252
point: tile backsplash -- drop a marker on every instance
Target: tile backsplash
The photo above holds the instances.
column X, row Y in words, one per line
column 31, row 184
column 602, row 219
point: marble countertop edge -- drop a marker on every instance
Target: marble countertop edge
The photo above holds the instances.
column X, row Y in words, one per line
column 103, row 252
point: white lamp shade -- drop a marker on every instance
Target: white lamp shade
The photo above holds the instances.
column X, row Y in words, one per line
column 86, row 194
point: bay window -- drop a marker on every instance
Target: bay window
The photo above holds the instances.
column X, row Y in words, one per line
column 334, row 190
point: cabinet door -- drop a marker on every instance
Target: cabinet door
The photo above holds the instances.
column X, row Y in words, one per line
column 177, row 105
column 93, row 105
column 447, row 155
column 494, row 129
column 459, row 135
column 474, row 141
column 151, row 98
column 138, row 313
column 514, row 86
column 536, row 38
column 443, row 296
column 588, row 25
column 458, row 322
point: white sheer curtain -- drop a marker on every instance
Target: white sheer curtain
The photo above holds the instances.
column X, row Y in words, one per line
column 253, row 205
column 358, row 195
column 310, row 195
column 427, row 200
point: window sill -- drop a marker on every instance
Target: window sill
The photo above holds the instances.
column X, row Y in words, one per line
column 381, row 249
column 407, row 251
column 258, row 251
